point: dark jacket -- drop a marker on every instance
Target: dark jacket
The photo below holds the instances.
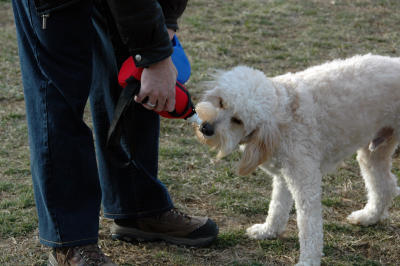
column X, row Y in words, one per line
column 142, row 24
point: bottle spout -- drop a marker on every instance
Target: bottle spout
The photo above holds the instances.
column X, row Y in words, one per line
column 194, row 119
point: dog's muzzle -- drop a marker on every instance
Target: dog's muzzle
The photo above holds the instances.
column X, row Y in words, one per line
column 207, row 129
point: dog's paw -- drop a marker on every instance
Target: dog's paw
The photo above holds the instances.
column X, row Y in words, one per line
column 363, row 217
column 261, row 231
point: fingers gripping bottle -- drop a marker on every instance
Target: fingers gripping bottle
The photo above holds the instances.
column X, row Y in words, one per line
column 184, row 108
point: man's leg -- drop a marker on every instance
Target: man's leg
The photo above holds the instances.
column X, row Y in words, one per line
column 132, row 195
column 56, row 65
column 133, row 190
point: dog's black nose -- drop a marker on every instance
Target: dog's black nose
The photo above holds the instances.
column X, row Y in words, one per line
column 207, row 129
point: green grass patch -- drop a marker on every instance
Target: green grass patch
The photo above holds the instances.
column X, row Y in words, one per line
column 242, row 202
column 280, row 246
column 230, row 239
column 340, row 228
column 13, row 116
column 17, row 222
column 332, row 202
column 18, row 172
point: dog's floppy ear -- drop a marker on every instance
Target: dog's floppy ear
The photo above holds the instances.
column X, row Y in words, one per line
column 258, row 149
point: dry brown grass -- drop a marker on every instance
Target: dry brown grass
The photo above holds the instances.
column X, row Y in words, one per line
column 275, row 36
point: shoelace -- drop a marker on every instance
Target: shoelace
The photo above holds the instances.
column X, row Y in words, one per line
column 92, row 254
column 178, row 212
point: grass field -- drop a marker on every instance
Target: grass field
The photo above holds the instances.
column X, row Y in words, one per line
column 275, row 36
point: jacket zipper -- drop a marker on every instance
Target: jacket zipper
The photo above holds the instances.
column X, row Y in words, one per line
column 44, row 20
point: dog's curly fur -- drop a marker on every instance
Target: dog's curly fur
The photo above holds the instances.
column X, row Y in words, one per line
column 299, row 126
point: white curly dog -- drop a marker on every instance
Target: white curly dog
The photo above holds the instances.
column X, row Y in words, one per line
column 299, row 126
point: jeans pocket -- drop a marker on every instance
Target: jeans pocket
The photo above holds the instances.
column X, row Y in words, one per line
column 48, row 6
column 45, row 7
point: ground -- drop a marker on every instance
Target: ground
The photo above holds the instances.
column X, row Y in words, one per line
column 275, row 36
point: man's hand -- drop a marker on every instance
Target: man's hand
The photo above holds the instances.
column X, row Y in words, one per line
column 158, row 85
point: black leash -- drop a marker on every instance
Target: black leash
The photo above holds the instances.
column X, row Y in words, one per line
column 122, row 122
column 121, row 118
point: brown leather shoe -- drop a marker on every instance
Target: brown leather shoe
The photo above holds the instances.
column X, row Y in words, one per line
column 79, row 256
column 172, row 226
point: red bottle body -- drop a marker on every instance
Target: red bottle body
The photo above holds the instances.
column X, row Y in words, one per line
column 183, row 105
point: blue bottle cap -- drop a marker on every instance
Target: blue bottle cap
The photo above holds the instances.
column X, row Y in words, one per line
column 180, row 61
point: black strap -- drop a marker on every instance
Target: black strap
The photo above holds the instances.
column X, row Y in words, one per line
column 116, row 127
column 122, row 121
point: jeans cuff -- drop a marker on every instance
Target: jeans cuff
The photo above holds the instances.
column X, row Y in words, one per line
column 136, row 214
column 80, row 242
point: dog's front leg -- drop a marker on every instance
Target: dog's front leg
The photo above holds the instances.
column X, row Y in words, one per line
column 304, row 181
column 278, row 212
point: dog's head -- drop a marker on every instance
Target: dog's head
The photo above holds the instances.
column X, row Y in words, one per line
column 238, row 108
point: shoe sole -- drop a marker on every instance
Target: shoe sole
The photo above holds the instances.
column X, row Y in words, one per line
column 135, row 235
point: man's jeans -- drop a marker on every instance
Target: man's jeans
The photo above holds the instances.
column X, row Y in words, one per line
column 63, row 65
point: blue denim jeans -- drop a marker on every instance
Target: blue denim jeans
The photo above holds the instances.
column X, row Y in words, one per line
column 73, row 59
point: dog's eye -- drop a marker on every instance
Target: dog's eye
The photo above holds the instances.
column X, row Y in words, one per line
column 236, row 121
column 221, row 104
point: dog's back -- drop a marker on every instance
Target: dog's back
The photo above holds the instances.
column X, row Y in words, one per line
column 350, row 100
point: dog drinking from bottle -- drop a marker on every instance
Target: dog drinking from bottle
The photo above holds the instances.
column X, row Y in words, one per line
column 299, row 126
